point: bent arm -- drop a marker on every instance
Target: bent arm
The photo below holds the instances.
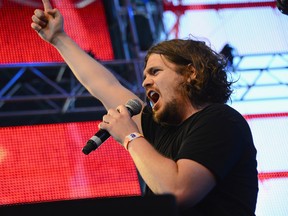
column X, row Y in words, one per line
column 187, row 180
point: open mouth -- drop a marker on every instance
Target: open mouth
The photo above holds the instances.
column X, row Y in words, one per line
column 153, row 97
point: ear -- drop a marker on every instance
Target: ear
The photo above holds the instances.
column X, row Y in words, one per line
column 191, row 72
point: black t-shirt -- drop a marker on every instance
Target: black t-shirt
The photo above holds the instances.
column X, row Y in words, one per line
column 219, row 138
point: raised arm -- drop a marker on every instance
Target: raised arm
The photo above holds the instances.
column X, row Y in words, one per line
column 97, row 79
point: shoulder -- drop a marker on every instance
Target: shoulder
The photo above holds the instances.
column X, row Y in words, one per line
column 217, row 117
column 220, row 111
column 220, row 108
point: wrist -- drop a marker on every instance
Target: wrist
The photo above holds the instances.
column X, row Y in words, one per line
column 129, row 138
column 58, row 39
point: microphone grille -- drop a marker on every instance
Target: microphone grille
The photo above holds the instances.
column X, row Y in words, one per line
column 134, row 106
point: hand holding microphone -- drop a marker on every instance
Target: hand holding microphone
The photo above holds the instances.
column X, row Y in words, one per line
column 133, row 106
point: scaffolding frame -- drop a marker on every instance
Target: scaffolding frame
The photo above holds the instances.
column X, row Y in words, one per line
column 51, row 88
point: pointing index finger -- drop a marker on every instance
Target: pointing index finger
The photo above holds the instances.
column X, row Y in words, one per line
column 47, row 5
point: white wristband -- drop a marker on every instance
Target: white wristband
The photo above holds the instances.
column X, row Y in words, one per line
column 131, row 137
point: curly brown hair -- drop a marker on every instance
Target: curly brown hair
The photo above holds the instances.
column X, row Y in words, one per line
column 210, row 84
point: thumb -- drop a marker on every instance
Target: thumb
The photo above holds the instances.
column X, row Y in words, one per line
column 47, row 5
column 54, row 12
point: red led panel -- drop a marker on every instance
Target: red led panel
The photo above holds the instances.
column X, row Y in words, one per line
column 19, row 43
column 46, row 163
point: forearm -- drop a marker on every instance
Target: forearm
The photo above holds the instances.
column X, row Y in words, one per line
column 92, row 75
column 158, row 172
column 187, row 180
column 97, row 79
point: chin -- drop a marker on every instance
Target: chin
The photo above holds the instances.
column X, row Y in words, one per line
column 155, row 116
column 158, row 117
column 161, row 118
column 168, row 115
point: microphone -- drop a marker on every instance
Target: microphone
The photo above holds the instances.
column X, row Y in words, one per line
column 134, row 107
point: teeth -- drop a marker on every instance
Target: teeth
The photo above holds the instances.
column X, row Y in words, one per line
column 151, row 94
column 153, row 97
column 151, row 103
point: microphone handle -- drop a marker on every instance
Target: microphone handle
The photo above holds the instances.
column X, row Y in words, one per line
column 95, row 141
column 133, row 107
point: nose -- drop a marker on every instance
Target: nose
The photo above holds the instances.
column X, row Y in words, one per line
column 147, row 82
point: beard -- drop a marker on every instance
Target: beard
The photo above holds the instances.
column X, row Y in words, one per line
column 170, row 115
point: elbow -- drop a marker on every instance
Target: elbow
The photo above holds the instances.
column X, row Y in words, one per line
column 189, row 198
column 183, row 200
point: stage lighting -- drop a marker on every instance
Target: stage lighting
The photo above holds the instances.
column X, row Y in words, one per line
column 282, row 5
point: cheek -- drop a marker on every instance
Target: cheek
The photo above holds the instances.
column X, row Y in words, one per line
column 175, row 89
column 183, row 88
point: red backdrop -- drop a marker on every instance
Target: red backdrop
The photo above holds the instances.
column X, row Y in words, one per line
column 20, row 43
column 45, row 162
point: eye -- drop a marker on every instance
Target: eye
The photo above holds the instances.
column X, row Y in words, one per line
column 154, row 71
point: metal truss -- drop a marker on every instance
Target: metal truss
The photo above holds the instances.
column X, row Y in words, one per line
column 140, row 23
column 260, row 77
column 179, row 9
column 51, row 88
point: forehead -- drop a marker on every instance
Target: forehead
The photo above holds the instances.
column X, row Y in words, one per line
column 157, row 61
